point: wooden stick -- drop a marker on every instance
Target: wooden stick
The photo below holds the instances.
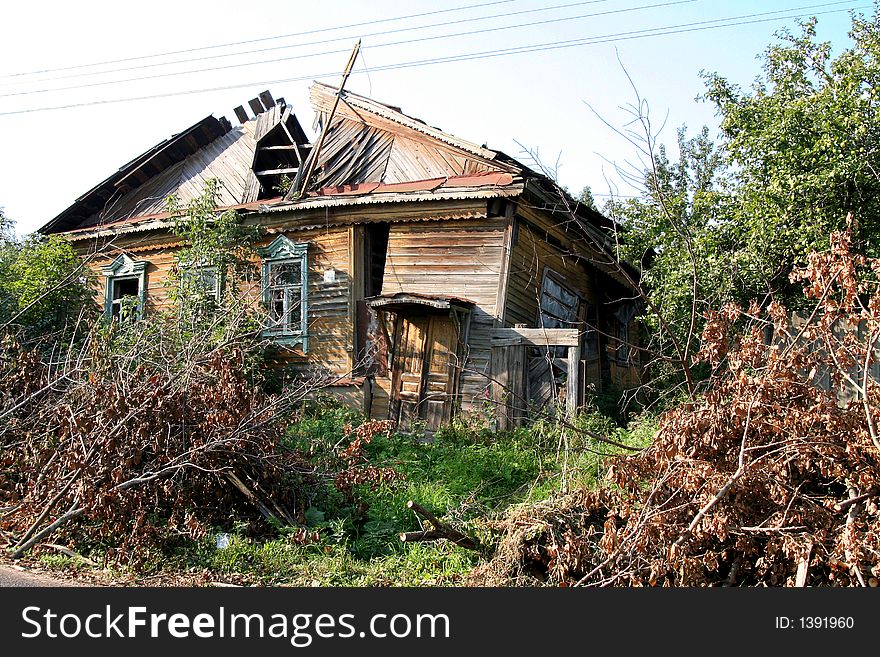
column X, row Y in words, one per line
column 440, row 530
column 252, row 498
column 70, row 553
column 422, row 511
column 415, row 537
column 873, row 492
column 73, row 512
column 312, row 160
column 803, row 569
column 850, row 520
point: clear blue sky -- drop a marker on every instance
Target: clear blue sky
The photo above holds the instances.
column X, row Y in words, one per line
column 535, row 100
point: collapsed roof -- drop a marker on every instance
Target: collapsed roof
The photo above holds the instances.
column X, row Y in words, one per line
column 372, row 153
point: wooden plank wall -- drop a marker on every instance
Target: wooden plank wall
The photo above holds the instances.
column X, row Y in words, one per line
column 457, row 258
column 227, row 158
column 330, row 323
column 531, row 253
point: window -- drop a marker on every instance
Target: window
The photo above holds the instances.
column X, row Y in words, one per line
column 285, row 291
column 623, row 346
column 559, row 303
column 559, row 306
column 204, row 280
column 125, row 289
column 624, row 314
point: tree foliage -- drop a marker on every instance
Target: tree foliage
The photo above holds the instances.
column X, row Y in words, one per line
column 798, row 151
column 213, row 267
column 44, row 286
column 804, row 147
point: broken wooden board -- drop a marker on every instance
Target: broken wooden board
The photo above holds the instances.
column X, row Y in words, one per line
column 536, row 337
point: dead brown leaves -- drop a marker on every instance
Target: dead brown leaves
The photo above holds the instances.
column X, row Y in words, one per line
column 739, row 486
column 146, row 452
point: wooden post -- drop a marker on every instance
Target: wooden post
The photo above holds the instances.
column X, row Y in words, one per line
column 516, row 401
column 499, row 387
column 571, row 390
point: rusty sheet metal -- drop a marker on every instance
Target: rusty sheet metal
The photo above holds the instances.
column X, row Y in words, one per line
column 488, row 179
column 441, row 194
column 441, row 301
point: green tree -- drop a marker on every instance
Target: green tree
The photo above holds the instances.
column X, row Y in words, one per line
column 215, row 259
column 798, row 152
column 804, row 146
column 586, row 198
column 674, row 230
column 44, row 286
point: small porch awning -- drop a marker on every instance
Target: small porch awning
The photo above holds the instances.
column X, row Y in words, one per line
column 402, row 301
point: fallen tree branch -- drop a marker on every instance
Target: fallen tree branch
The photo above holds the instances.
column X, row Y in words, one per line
column 253, row 499
column 73, row 512
column 740, row 470
column 68, row 552
column 416, row 537
column 851, row 558
column 61, row 493
column 845, row 504
column 440, row 530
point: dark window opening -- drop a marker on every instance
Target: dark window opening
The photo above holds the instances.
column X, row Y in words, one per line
column 375, row 253
column 559, row 307
column 125, row 299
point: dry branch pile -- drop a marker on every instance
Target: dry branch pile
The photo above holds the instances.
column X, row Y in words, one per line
column 771, row 477
column 138, row 449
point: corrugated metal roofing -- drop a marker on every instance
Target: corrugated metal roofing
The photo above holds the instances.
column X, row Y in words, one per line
column 488, row 179
column 403, row 299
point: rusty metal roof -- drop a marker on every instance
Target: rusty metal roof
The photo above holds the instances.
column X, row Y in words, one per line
column 409, row 299
column 487, row 179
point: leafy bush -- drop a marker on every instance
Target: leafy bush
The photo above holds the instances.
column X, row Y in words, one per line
column 45, row 296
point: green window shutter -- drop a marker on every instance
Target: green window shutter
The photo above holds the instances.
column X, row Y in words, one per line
column 125, row 269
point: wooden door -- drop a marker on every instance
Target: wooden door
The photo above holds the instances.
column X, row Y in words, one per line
column 408, row 369
column 440, row 375
column 423, row 371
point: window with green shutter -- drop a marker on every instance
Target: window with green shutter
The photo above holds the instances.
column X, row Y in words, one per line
column 285, row 291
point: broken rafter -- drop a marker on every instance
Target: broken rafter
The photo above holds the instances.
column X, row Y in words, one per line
column 303, row 183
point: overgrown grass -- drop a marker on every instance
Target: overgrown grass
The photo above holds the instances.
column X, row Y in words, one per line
column 466, row 474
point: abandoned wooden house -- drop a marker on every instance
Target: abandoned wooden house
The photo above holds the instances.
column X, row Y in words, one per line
column 406, row 267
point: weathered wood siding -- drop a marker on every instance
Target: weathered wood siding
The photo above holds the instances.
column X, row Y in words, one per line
column 455, row 258
column 160, row 259
column 531, row 254
column 330, row 329
column 539, row 243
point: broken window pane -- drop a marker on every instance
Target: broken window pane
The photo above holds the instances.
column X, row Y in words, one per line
column 284, row 290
